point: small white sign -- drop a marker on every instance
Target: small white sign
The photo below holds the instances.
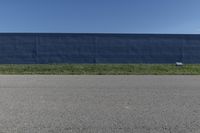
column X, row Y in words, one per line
column 179, row 64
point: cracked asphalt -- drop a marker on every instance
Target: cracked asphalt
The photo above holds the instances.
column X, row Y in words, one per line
column 99, row 104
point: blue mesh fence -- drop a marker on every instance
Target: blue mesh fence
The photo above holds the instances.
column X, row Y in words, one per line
column 47, row 48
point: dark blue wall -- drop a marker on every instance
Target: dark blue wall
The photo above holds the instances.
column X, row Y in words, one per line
column 41, row 48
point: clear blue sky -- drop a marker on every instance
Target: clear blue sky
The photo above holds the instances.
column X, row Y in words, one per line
column 100, row 16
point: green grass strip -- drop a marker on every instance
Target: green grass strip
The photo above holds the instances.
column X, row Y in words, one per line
column 101, row 69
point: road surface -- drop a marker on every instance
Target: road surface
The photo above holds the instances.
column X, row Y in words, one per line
column 99, row 104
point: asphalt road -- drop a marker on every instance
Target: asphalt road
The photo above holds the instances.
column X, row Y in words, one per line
column 99, row 104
